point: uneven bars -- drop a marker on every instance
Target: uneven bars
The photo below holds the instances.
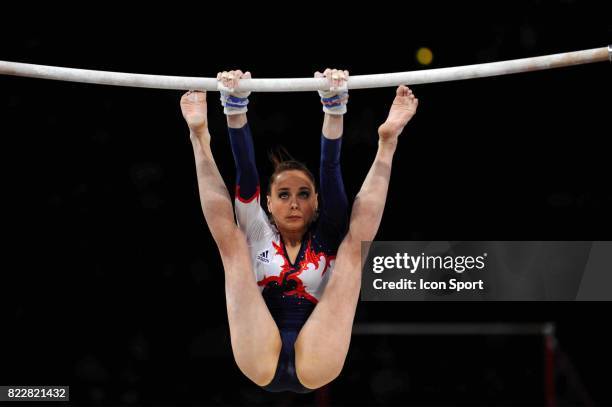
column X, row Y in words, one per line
column 547, row 328
column 310, row 84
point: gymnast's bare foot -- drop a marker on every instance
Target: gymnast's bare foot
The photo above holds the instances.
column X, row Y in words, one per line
column 403, row 108
column 193, row 107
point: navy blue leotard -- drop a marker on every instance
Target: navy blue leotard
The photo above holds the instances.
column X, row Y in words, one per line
column 290, row 290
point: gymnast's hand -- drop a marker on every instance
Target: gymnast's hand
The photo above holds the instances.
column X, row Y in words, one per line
column 233, row 102
column 403, row 108
column 335, row 99
column 193, row 106
column 337, row 78
column 231, row 79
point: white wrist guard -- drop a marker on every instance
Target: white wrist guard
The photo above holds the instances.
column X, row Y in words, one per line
column 234, row 102
column 334, row 102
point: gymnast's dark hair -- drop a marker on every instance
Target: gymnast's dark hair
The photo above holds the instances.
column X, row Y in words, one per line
column 283, row 161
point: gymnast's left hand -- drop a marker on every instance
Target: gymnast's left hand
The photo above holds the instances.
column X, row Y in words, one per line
column 334, row 99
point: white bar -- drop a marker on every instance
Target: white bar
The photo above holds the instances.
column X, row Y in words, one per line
column 309, row 84
column 454, row 328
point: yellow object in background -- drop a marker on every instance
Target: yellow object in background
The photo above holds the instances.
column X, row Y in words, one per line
column 424, row 56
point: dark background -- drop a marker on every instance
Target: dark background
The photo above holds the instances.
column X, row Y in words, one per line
column 112, row 284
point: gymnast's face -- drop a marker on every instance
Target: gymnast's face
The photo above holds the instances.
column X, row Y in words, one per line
column 292, row 201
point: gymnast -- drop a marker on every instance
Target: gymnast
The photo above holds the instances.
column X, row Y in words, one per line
column 292, row 278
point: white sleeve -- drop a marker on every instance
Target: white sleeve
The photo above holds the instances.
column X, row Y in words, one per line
column 252, row 219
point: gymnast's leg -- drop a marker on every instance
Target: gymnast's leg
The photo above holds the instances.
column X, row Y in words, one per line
column 255, row 338
column 323, row 342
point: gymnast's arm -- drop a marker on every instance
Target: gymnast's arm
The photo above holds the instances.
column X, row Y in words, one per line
column 241, row 140
column 334, row 203
column 243, row 149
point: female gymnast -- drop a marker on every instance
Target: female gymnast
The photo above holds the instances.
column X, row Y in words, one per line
column 292, row 280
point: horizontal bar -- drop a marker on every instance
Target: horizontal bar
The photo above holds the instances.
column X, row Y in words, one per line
column 309, row 84
column 547, row 328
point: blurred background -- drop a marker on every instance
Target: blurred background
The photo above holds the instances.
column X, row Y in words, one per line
column 112, row 284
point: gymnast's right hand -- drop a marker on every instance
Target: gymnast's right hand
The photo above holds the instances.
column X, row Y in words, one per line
column 193, row 106
column 233, row 102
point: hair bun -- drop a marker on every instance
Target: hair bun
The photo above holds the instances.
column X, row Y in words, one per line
column 283, row 161
column 278, row 155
